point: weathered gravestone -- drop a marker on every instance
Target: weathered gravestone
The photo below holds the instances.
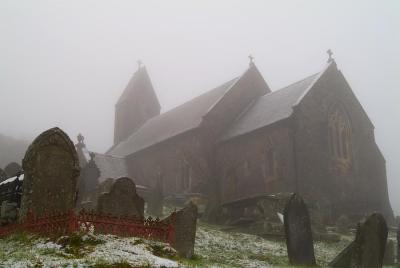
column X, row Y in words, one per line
column 12, row 169
column 185, row 223
column 368, row 248
column 398, row 244
column 299, row 240
column 51, row 169
column 388, row 258
column 122, row 200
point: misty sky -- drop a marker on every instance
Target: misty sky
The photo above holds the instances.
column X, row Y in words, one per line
column 64, row 63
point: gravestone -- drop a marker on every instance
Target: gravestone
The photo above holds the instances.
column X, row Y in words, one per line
column 299, row 241
column 388, row 258
column 184, row 222
column 51, row 169
column 398, row 244
column 370, row 242
column 122, row 200
column 368, row 248
column 12, row 169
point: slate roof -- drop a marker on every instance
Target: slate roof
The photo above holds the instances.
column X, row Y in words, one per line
column 173, row 122
column 139, row 81
column 269, row 108
column 110, row 167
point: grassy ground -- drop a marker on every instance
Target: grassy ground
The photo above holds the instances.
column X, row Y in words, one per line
column 213, row 248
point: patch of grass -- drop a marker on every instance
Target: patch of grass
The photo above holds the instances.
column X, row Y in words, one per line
column 195, row 261
column 122, row 264
column 77, row 244
column 138, row 242
column 162, row 251
column 21, row 237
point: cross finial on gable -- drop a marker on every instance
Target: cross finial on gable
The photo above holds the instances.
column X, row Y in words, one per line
column 140, row 63
column 330, row 53
column 251, row 63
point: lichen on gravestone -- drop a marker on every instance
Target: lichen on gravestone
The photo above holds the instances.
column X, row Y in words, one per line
column 51, row 169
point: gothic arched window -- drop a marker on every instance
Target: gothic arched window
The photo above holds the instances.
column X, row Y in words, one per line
column 340, row 136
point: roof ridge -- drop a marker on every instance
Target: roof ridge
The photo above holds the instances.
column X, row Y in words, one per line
column 313, row 83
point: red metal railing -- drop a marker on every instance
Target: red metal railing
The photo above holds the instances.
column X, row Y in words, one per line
column 69, row 222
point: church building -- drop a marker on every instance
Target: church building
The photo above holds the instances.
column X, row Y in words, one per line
column 242, row 139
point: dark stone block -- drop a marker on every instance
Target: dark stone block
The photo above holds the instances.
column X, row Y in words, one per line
column 370, row 242
column 368, row 248
column 298, row 232
column 122, row 200
column 185, row 222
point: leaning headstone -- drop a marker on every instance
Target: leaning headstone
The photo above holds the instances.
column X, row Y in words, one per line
column 343, row 259
column 51, row 169
column 370, row 242
column 122, row 200
column 388, row 258
column 184, row 222
column 368, row 249
column 12, row 169
column 299, row 241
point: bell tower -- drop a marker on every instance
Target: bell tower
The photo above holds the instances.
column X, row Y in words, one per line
column 137, row 104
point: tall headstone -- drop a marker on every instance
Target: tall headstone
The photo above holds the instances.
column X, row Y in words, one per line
column 299, row 241
column 370, row 243
column 368, row 248
column 185, row 223
column 51, row 169
column 122, row 200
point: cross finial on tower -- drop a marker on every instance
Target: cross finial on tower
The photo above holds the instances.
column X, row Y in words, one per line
column 140, row 63
column 330, row 53
column 251, row 63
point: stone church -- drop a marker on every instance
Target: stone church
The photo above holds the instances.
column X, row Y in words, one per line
column 242, row 139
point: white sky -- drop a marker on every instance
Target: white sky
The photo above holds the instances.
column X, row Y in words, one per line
column 64, row 63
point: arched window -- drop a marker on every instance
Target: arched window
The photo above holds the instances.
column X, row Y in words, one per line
column 340, row 135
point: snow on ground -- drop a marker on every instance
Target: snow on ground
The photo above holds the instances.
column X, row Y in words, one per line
column 213, row 248
column 101, row 251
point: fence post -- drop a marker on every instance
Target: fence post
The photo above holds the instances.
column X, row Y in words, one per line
column 72, row 222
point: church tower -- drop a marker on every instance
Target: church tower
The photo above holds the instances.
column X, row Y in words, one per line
column 137, row 104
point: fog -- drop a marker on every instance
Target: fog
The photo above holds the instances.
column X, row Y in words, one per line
column 64, row 63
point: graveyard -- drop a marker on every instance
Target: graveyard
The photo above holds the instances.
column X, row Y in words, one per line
column 43, row 225
column 199, row 134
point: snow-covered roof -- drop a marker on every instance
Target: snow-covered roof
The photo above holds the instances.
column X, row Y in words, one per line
column 21, row 178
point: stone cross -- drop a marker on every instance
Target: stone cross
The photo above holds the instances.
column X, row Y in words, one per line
column 251, row 60
column 298, row 233
column 330, row 53
column 139, row 63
